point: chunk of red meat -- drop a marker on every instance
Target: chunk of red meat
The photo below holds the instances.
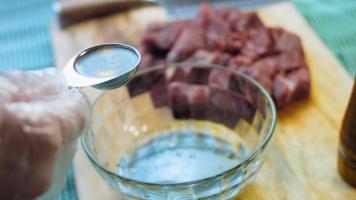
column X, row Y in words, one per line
column 198, row 96
column 246, row 21
column 163, row 36
column 232, row 17
column 178, row 100
column 227, row 107
column 302, row 78
column 179, row 74
column 259, row 43
column 199, row 75
column 290, row 60
column 159, row 95
column 159, row 61
column 217, row 34
column 235, row 83
column 219, row 79
column 263, row 71
column 144, row 83
column 240, row 61
column 236, row 41
column 188, row 100
column 224, row 13
column 210, row 57
column 276, row 33
column 257, row 75
column 284, row 41
column 267, row 65
column 282, row 90
column 205, row 12
column 295, row 86
column 252, row 94
column 147, row 59
column 191, row 39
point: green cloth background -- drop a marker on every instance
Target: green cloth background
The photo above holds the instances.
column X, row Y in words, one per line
column 335, row 22
column 24, row 34
column 25, row 38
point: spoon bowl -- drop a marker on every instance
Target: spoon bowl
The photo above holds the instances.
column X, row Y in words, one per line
column 104, row 66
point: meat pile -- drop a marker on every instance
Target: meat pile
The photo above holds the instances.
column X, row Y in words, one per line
column 240, row 41
column 198, row 92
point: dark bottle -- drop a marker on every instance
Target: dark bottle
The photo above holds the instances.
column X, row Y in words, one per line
column 347, row 146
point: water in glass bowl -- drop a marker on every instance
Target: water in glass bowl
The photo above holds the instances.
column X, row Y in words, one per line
column 183, row 153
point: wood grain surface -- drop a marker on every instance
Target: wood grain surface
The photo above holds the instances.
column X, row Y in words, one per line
column 301, row 163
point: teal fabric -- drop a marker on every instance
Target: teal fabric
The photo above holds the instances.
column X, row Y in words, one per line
column 25, row 39
column 69, row 191
column 24, row 34
column 335, row 22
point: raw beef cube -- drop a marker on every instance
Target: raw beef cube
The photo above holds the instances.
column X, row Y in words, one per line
column 221, row 58
column 293, row 87
column 302, row 79
column 203, row 56
column 267, row 65
column 240, row 61
column 251, row 93
column 257, row 75
column 282, row 90
column 178, row 100
column 259, row 43
column 209, row 57
column 276, row 33
column 284, row 41
column 219, row 79
column 198, row 96
column 204, row 14
column 147, row 60
column 290, row 60
column 217, row 34
column 237, row 84
column 227, row 107
column 247, row 21
column 191, row 39
column 138, row 85
column 159, row 95
column 263, row 72
column 179, row 74
column 144, row 83
column 159, row 61
column 199, row 75
column 224, row 13
column 163, row 36
column 236, row 41
column 188, row 100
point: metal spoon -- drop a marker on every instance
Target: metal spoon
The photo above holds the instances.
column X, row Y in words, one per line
column 104, row 66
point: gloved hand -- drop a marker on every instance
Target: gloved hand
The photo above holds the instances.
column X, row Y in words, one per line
column 38, row 118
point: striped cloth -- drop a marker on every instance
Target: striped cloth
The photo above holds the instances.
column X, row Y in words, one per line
column 25, row 38
column 24, row 34
column 335, row 22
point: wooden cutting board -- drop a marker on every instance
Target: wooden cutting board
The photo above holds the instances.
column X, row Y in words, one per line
column 301, row 163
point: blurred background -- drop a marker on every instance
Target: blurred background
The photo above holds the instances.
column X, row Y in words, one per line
column 25, row 34
column 25, row 41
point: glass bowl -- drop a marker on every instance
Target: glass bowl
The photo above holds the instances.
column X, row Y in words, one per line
column 181, row 131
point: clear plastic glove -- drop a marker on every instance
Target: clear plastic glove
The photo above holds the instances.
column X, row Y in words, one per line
column 40, row 121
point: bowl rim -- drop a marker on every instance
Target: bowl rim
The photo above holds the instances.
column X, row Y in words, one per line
column 254, row 153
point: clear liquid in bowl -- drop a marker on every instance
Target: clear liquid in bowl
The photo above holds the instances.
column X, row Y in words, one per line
column 182, row 155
